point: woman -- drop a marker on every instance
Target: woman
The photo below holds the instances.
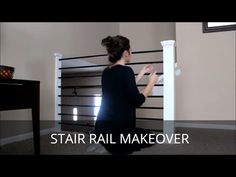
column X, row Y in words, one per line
column 120, row 95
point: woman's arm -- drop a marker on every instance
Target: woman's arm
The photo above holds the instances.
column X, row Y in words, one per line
column 152, row 80
column 140, row 75
column 133, row 93
column 145, row 69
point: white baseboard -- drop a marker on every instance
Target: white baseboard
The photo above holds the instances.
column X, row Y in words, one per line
column 25, row 136
column 208, row 126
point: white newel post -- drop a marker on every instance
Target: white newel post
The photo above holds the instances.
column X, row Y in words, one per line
column 169, row 85
column 57, row 56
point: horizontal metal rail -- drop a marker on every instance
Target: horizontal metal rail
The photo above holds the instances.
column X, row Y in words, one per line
column 101, row 65
column 81, row 115
column 91, row 106
column 94, row 75
column 97, row 86
column 103, row 55
column 97, row 95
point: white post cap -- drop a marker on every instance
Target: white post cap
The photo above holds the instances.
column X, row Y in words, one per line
column 168, row 43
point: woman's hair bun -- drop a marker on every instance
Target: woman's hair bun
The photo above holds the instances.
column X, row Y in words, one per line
column 115, row 46
column 110, row 43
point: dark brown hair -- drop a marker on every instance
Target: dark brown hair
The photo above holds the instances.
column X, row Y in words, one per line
column 115, row 46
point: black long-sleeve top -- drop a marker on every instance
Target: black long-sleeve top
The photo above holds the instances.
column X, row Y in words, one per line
column 120, row 97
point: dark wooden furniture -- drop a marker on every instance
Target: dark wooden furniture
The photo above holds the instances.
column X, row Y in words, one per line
column 22, row 94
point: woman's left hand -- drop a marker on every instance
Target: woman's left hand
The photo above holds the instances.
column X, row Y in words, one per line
column 148, row 69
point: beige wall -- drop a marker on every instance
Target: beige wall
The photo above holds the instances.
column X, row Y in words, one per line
column 206, row 88
column 30, row 46
column 147, row 36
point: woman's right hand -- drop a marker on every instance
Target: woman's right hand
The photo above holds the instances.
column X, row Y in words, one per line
column 153, row 78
